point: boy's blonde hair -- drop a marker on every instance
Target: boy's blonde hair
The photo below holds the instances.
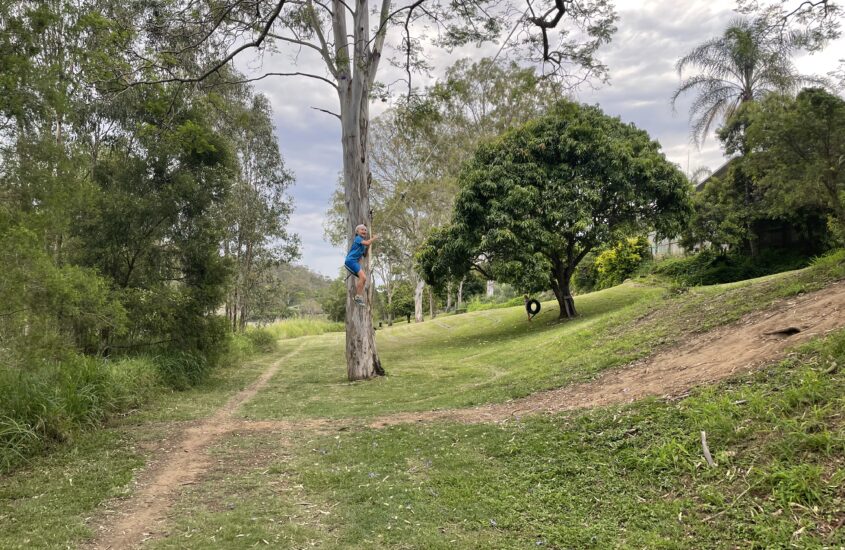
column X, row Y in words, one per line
column 359, row 226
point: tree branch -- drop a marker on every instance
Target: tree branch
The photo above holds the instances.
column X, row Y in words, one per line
column 217, row 66
column 297, row 73
column 327, row 112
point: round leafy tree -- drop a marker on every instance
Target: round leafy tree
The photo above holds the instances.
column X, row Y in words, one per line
column 535, row 201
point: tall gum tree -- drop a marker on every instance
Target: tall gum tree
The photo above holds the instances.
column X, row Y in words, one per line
column 189, row 41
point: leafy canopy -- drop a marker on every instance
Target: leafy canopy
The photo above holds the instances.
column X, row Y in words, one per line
column 536, row 200
column 798, row 148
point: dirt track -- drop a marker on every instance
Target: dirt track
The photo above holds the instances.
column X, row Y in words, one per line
column 143, row 516
column 755, row 340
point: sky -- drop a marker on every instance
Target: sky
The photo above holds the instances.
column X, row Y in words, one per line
column 651, row 36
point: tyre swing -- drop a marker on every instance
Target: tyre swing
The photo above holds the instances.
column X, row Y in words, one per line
column 532, row 307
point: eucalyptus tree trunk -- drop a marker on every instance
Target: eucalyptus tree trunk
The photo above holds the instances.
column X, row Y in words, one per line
column 353, row 87
column 448, row 296
column 418, row 298
column 431, row 312
column 460, row 295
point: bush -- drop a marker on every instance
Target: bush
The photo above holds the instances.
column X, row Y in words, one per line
column 48, row 402
column 609, row 267
column 616, row 264
column 261, row 339
column 182, row 369
column 710, row 267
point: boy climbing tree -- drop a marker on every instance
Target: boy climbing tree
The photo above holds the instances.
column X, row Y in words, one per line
column 360, row 245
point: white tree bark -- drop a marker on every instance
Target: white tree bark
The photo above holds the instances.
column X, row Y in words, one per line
column 490, row 288
column 353, row 87
column 418, row 299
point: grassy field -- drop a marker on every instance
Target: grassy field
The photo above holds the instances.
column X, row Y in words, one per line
column 496, row 355
column 624, row 476
column 631, row 476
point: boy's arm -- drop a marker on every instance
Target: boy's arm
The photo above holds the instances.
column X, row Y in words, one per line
column 369, row 241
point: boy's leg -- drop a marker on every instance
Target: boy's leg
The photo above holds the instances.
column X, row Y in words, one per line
column 359, row 284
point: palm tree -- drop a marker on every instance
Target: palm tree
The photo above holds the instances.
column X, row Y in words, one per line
column 748, row 61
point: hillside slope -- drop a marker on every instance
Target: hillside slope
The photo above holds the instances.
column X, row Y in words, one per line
column 295, row 456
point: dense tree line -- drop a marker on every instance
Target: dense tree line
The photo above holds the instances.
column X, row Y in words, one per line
column 781, row 130
column 128, row 215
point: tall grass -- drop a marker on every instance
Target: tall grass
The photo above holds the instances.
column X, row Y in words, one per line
column 48, row 403
column 294, row 328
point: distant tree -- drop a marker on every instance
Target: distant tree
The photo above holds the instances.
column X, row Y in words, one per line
column 535, row 201
column 751, row 59
column 333, row 300
column 258, row 208
column 799, row 152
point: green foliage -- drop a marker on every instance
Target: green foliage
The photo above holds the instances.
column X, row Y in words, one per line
column 611, row 266
column 529, row 200
column 333, row 300
column 710, row 266
column 798, row 148
column 402, row 301
column 45, row 403
column 182, row 369
column 262, row 339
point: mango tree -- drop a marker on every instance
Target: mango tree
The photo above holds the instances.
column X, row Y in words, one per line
column 535, row 201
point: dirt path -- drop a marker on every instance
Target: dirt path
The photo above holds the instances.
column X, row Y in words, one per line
column 752, row 342
column 143, row 516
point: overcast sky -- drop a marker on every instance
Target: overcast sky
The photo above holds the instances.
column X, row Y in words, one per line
column 651, row 36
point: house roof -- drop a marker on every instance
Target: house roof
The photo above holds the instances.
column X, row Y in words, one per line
column 719, row 173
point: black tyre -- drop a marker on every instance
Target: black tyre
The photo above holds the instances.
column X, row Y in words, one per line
column 532, row 307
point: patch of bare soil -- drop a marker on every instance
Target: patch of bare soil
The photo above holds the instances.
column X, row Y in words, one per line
column 755, row 340
column 143, row 516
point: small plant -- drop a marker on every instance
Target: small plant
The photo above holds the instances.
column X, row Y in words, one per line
column 262, row 339
column 181, row 370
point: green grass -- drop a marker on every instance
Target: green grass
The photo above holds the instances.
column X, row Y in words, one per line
column 295, row 328
column 630, row 476
column 45, row 504
column 48, row 404
column 493, row 356
column 46, row 500
column 461, row 360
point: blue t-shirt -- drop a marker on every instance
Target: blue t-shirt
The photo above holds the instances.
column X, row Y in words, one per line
column 357, row 250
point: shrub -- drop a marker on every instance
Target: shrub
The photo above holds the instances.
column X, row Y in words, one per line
column 261, row 339
column 48, row 402
column 182, row 369
column 710, row 267
column 610, row 266
column 619, row 262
